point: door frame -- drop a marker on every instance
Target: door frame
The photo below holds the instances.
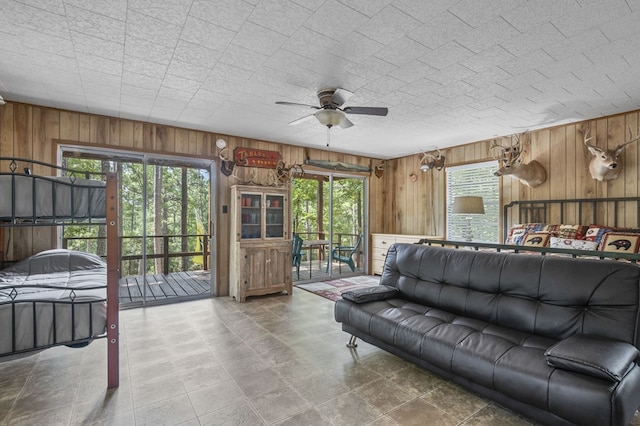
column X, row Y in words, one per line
column 365, row 209
column 143, row 158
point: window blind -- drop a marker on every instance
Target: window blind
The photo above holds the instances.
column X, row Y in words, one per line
column 475, row 179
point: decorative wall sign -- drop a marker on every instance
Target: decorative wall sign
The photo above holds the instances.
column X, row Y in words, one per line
column 250, row 157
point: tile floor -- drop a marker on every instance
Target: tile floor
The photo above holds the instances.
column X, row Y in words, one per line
column 273, row 360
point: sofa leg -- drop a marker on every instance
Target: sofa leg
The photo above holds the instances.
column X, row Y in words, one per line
column 352, row 342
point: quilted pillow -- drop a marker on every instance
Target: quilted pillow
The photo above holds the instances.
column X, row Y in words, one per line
column 536, row 239
column 620, row 242
column 596, row 232
column 568, row 243
column 575, row 232
column 517, row 232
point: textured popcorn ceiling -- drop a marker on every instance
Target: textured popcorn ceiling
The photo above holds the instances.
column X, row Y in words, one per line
column 450, row 72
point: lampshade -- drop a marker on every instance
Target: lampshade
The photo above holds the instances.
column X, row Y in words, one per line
column 468, row 205
column 330, row 117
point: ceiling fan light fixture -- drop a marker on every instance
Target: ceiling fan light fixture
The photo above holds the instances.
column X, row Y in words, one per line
column 329, row 117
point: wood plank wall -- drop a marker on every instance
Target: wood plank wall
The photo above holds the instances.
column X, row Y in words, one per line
column 419, row 207
column 396, row 205
column 32, row 132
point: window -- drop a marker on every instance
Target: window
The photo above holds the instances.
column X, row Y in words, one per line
column 474, row 179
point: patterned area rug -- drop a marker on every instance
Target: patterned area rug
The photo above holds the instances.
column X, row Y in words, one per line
column 333, row 289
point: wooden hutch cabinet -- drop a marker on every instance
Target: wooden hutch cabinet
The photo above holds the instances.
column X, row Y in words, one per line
column 260, row 258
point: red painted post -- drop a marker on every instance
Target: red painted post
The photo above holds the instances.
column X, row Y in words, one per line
column 113, row 274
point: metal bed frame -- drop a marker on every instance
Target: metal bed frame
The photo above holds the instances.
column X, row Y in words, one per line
column 586, row 211
column 23, row 168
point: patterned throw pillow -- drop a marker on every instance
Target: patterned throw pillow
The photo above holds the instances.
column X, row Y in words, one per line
column 572, row 244
column 517, row 232
column 620, row 242
column 574, row 232
column 596, row 232
column 536, row 239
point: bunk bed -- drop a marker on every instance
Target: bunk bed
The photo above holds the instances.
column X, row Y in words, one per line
column 576, row 228
column 58, row 296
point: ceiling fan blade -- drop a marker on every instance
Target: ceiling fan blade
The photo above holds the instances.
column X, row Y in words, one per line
column 367, row 110
column 340, row 96
column 301, row 120
column 345, row 123
column 296, row 104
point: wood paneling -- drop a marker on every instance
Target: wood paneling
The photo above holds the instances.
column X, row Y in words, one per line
column 31, row 132
column 561, row 151
column 396, row 204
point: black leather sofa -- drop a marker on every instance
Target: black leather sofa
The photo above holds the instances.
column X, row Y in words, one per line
column 554, row 338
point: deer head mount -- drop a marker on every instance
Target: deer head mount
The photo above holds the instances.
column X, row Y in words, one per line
column 604, row 162
column 430, row 161
column 226, row 165
column 379, row 169
column 531, row 174
column 283, row 173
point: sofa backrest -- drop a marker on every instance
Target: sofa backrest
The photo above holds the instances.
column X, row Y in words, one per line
column 549, row 296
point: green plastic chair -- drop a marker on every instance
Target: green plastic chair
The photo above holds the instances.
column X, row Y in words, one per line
column 297, row 253
column 345, row 254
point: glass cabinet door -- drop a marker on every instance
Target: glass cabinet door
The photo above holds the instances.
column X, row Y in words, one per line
column 251, row 215
column 274, row 207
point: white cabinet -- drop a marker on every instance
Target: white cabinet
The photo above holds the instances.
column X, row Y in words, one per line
column 380, row 244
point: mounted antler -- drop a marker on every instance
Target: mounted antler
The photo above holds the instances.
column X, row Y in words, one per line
column 379, row 169
column 508, row 154
column 226, row 165
column 283, row 173
column 531, row 174
column 430, row 161
column 604, row 163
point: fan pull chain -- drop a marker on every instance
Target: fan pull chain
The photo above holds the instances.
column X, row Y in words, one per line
column 328, row 136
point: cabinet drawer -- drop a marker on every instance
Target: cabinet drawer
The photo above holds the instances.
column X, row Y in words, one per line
column 407, row 240
column 379, row 254
column 382, row 242
column 377, row 266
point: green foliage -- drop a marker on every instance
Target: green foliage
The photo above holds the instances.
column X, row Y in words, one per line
column 348, row 207
column 135, row 213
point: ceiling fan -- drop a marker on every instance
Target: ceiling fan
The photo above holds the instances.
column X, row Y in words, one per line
column 330, row 112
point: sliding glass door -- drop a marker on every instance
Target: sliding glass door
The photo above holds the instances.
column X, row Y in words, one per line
column 329, row 214
column 347, row 225
column 165, row 205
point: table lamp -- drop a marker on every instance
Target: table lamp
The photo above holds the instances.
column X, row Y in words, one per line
column 468, row 205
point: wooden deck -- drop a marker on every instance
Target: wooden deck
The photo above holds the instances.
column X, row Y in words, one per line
column 176, row 286
column 318, row 272
column 165, row 288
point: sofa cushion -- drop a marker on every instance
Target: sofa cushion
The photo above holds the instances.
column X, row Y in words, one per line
column 371, row 294
column 595, row 356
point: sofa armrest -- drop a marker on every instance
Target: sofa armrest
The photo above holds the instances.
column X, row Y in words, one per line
column 594, row 356
column 371, row 294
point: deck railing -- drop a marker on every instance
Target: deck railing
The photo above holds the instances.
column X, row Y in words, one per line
column 166, row 255
column 340, row 239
